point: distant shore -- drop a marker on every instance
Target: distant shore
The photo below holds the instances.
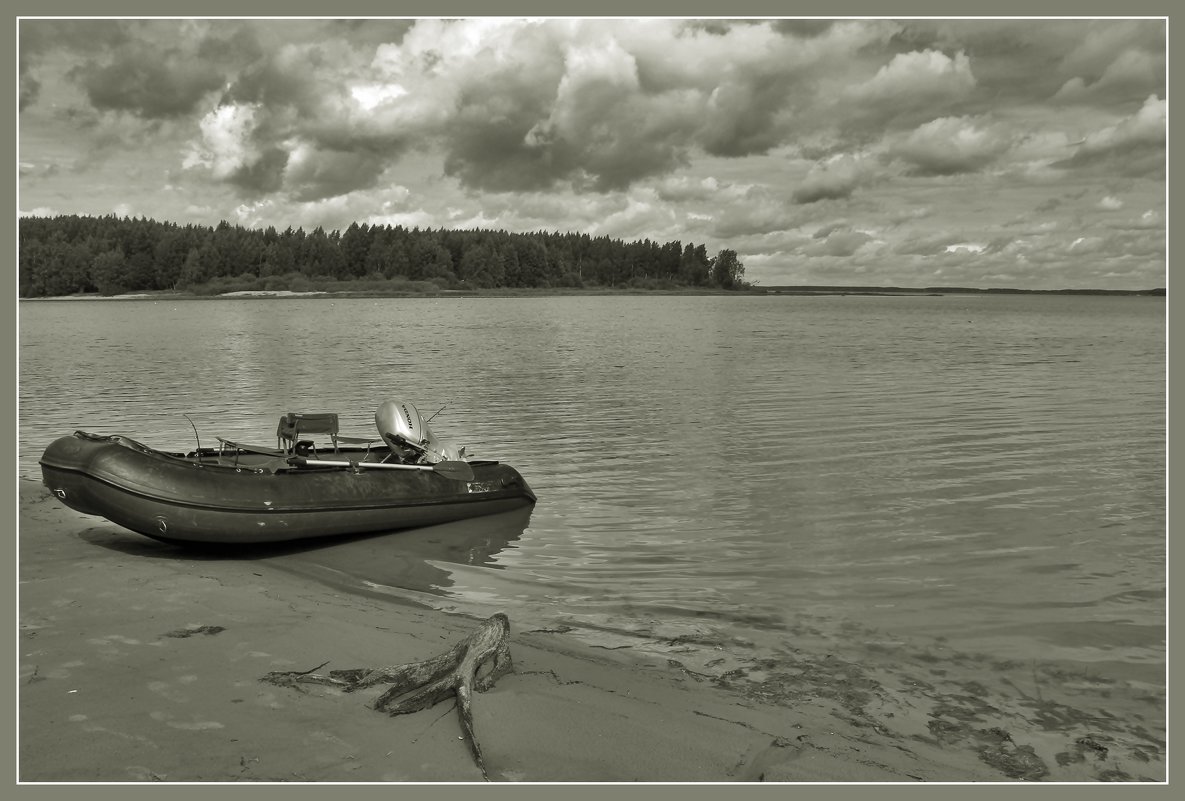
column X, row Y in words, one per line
column 602, row 291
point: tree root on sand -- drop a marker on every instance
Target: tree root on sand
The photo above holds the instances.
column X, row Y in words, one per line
column 419, row 685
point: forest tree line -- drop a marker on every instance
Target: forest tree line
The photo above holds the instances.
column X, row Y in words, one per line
column 112, row 255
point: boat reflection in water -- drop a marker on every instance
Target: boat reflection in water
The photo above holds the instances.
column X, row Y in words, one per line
column 399, row 563
column 414, row 560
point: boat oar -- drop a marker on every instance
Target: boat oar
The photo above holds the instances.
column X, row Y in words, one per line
column 460, row 471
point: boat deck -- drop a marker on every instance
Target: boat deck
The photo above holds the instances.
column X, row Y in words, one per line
column 252, row 457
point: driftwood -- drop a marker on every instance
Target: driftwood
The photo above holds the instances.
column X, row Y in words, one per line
column 419, row 685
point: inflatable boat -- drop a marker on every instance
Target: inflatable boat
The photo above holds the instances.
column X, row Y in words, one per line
column 299, row 490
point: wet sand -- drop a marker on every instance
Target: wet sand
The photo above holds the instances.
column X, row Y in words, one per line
column 141, row 664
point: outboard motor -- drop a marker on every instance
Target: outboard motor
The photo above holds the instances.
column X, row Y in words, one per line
column 405, row 430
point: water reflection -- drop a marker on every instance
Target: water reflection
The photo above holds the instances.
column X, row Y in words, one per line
column 423, row 560
column 416, row 560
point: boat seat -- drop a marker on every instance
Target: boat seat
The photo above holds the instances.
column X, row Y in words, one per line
column 294, row 425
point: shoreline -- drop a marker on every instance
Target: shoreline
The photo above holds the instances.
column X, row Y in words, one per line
column 528, row 292
column 142, row 662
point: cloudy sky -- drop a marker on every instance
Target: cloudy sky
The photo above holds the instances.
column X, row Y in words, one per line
column 916, row 152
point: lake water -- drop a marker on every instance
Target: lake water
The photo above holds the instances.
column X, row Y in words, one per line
column 986, row 472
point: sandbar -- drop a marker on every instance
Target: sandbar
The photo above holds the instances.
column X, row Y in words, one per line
column 143, row 664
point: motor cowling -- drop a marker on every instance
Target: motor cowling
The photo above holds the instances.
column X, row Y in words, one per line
column 404, row 429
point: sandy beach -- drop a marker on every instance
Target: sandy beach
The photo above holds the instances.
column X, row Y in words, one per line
column 143, row 664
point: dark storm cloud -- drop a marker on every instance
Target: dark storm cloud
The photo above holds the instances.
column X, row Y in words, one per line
column 148, row 83
column 805, row 28
column 616, row 146
column 742, row 115
column 496, row 108
column 321, row 174
column 366, row 33
column 814, row 191
column 263, row 175
column 29, row 87
column 292, row 76
column 159, row 69
column 493, row 157
column 39, row 37
column 296, row 130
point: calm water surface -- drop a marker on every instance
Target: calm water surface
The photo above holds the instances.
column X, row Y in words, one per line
column 988, row 470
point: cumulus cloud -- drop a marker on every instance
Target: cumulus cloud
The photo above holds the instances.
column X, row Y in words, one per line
column 608, row 105
column 834, row 179
column 521, row 104
column 1134, row 144
column 742, row 132
column 408, row 219
column 756, row 212
column 952, row 145
column 1087, row 244
column 917, row 78
column 639, row 211
column 837, row 241
column 1122, row 244
column 684, row 188
column 525, row 104
column 601, row 124
column 924, row 245
column 1116, row 52
column 40, row 211
column 1150, row 220
column 232, row 153
column 1133, row 71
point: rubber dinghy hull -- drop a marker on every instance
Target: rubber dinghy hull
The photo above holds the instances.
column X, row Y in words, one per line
column 209, row 496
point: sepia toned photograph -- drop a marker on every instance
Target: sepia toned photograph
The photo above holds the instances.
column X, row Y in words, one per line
column 591, row 400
